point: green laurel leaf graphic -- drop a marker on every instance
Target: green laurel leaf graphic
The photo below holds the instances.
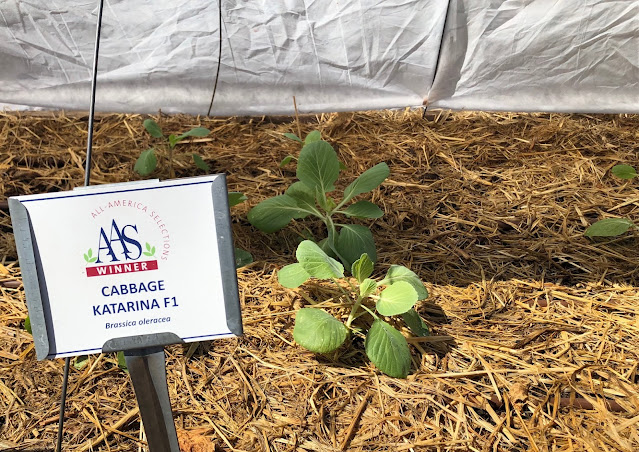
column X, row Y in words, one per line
column 88, row 256
column 150, row 250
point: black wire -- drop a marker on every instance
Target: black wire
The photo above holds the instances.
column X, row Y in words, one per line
column 65, row 381
column 219, row 56
column 87, row 182
column 87, row 168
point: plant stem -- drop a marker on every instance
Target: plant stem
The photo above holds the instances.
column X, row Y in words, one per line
column 354, row 310
column 332, row 233
column 340, row 205
column 317, row 213
column 339, row 287
column 350, row 284
column 370, row 312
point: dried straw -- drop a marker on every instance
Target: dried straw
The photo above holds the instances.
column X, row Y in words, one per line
column 535, row 328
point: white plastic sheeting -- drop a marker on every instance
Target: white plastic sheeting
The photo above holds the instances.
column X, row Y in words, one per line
column 540, row 55
column 162, row 54
column 333, row 55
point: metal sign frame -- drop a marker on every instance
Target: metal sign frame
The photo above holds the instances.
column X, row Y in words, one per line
column 35, row 281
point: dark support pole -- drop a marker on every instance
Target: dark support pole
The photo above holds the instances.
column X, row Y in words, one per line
column 63, row 402
column 94, row 83
column 148, row 374
column 87, row 181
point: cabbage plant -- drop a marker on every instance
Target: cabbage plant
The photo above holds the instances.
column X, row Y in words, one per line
column 394, row 295
column 317, row 171
column 147, row 162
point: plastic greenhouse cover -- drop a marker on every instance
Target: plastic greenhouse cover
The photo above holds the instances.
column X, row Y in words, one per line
column 162, row 54
column 332, row 55
column 540, row 55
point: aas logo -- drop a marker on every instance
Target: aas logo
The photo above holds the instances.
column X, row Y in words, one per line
column 120, row 251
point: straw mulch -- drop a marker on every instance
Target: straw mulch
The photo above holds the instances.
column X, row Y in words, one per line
column 535, row 328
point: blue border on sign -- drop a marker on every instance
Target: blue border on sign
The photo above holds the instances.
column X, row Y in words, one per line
column 218, row 184
column 99, row 350
column 77, row 195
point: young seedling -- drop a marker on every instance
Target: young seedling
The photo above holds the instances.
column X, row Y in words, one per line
column 317, row 171
column 147, row 162
column 613, row 227
column 396, row 294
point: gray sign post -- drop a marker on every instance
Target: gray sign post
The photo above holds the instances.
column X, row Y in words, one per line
column 148, row 374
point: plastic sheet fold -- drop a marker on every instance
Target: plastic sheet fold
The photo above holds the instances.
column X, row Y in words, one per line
column 540, row 55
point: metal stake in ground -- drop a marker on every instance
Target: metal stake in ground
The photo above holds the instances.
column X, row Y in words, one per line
column 148, row 374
